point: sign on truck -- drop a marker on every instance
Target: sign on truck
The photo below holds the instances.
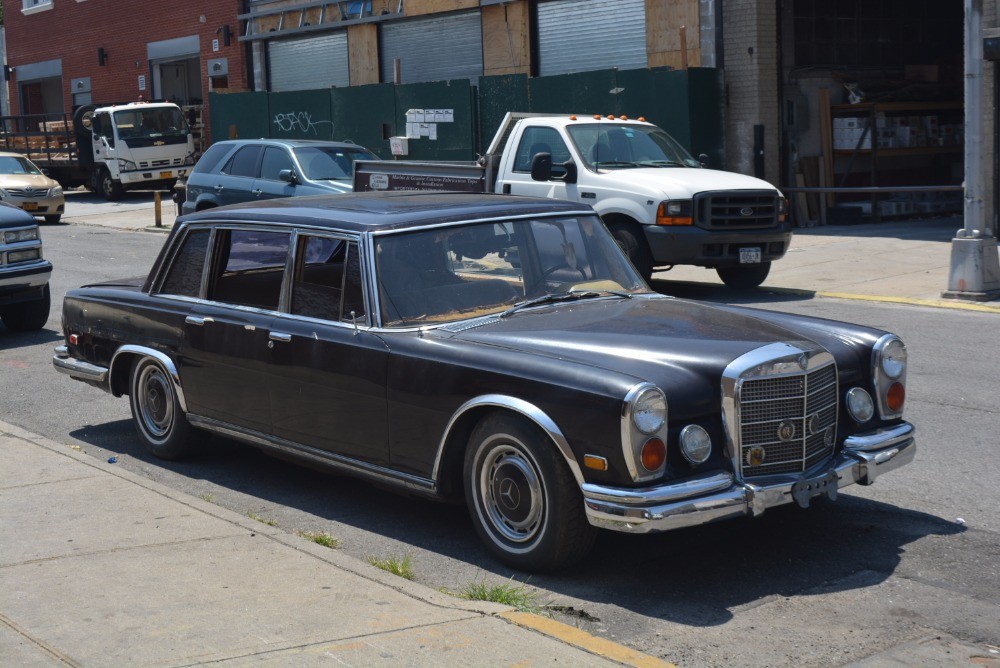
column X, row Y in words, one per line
column 662, row 205
column 110, row 148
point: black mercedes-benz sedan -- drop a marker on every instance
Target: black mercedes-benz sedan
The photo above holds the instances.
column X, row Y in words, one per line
column 493, row 348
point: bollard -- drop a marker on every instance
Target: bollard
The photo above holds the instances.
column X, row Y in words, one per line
column 156, row 209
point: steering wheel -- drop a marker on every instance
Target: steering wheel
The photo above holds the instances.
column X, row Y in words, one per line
column 551, row 270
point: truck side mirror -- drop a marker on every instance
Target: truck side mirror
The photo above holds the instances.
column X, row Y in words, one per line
column 703, row 159
column 288, row 176
column 570, row 168
column 541, row 167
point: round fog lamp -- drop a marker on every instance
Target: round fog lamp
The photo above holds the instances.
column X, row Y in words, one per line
column 696, row 444
column 894, row 358
column 649, row 411
column 860, row 405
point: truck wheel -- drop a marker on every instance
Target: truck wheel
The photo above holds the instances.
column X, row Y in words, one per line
column 524, row 503
column 746, row 277
column 631, row 241
column 53, row 219
column 156, row 411
column 27, row 316
column 111, row 190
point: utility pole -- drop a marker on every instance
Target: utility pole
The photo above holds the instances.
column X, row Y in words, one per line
column 975, row 268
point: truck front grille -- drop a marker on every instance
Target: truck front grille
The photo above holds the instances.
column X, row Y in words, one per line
column 736, row 209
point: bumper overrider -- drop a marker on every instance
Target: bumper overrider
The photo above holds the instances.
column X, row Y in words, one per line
column 718, row 496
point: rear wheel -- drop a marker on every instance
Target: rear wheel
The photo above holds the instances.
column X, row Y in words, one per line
column 631, row 240
column 156, row 410
column 525, row 504
column 27, row 316
column 111, row 190
column 744, row 277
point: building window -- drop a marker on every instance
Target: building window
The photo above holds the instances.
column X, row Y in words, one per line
column 34, row 6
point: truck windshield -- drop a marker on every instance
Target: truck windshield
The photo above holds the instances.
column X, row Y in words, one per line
column 146, row 126
column 623, row 146
column 330, row 163
column 447, row 274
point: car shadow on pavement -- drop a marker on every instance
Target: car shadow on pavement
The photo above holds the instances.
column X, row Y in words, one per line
column 697, row 576
column 9, row 339
column 720, row 294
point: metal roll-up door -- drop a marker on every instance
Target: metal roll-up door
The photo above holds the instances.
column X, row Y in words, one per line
column 307, row 63
column 584, row 35
column 435, row 48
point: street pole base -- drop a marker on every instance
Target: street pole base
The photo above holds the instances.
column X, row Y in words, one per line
column 972, row 296
column 975, row 271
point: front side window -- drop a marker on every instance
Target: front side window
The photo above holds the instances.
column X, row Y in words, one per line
column 452, row 273
column 275, row 160
column 541, row 140
column 327, row 281
column 249, row 267
column 184, row 277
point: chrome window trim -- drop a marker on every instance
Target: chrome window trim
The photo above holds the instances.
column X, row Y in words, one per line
column 789, row 358
column 629, row 432
column 881, row 381
column 528, row 410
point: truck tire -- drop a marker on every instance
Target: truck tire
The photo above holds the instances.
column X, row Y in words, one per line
column 111, row 190
column 745, row 277
column 632, row 241
column 27, row 316
column 53, row 219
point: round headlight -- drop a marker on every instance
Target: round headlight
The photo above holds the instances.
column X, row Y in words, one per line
column 860, row 404
column 696, row 444
column 649, row 411
column 894, row 358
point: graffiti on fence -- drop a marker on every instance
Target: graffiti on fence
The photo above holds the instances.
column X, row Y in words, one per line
column 301, row 121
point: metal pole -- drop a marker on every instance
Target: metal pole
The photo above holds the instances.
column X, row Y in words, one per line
column 157, row 211
column 975, row 269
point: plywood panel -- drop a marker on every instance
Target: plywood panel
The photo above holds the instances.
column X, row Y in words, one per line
column 506, row 46
column 664, row 19
column 421, row 7
column 362, row 51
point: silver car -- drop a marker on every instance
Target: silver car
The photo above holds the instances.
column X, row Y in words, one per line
column 24, row 185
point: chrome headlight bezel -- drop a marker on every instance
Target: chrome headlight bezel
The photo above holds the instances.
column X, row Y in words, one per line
column 860, row 405
column 888, row 345
column 635, row 432
column 693, row 441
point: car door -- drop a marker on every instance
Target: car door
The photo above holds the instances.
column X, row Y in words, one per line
column 329, row 372
column 224, row 363
column 234, row 183
column 518, row 181
column 269, row 185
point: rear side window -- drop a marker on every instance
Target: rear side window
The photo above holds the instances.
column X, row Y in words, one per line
column 249, row 268
column 211, row 158
column 185, row 273
column 244, row 163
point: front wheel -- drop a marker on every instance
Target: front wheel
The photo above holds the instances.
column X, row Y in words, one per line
column 111, row 190
column 156, row 410
column 525, row 504
column 633, row 243
column 744, row 277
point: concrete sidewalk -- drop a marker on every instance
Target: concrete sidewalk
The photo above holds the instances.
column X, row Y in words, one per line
column 100, row 567
column 905, row 262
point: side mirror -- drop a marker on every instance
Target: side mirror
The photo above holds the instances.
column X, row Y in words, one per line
column 703, row 159
column 541, row 167
column 570, row 168
column 288, row 176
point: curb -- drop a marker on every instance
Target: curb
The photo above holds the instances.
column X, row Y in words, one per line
column 911, row 301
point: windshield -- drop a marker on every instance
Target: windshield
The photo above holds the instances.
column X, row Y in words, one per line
column 330, row 163
column 10, row 164
column 147, row 125
column 452, row 273
column 621, row 146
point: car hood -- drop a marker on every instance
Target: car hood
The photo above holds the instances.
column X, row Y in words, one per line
column 683, row 182
column 37, row 181
column 679, row 345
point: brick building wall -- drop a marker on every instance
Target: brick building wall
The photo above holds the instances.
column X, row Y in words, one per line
column 751, row 79
column 73, row 30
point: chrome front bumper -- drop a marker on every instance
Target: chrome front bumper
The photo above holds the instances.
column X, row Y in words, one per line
column 718, row 496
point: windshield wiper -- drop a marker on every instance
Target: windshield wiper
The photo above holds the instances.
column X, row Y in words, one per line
column 556, row 297
column 615, row 163
column 662, row 163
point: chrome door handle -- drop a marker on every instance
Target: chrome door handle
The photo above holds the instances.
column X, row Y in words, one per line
column 195, row 320
column 256, row 192
column 219, row 188
column 280, row 337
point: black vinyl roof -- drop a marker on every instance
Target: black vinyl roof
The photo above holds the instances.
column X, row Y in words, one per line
column 371, row 211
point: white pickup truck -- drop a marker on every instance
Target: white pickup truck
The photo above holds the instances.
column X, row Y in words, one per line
column 663, row 207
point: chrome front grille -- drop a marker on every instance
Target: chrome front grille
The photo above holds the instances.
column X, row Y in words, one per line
column 787, row 423
column 736, row 209
column 28, row 192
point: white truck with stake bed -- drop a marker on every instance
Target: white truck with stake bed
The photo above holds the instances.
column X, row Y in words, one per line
column 662, row 206
column 109, row 148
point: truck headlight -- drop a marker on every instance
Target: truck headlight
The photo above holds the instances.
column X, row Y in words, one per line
column 696, row 444
column 674, row 212
column 17, row 236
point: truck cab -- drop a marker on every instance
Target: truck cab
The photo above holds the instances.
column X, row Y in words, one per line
column 661, row 204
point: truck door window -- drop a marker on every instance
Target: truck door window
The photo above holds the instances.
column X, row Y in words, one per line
column 102, row 128
column 541, row 140
column 244, row 162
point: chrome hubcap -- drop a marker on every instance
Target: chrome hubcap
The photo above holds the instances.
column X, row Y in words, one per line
column 155, row 401
column 512, row 494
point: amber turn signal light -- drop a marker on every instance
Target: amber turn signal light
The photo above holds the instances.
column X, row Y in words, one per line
column 669, row 213
column 895, row 397
column 654, row 453
column 595, row 462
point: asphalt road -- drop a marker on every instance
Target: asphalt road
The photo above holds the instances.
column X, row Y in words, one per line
column 914, row 556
